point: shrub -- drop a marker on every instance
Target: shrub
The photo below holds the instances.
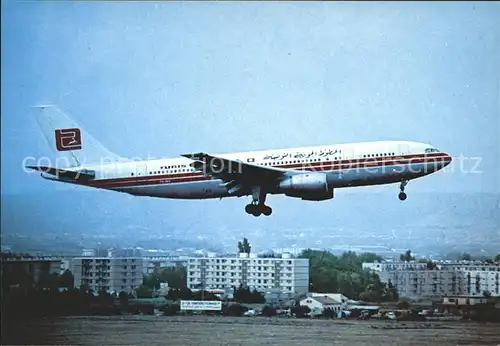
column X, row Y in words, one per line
column 171, row 309
column 403, row 305
column 269, row 311
column 235, row 310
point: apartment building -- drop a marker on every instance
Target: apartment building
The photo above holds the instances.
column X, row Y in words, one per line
column 286, row 274
column 473, row 279
column 418, row 280
column 33, row 267
column 114, row 274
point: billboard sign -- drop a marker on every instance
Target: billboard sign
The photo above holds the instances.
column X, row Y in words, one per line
column 201, row 305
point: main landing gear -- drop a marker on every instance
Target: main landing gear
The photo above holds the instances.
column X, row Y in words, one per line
column 258, row 207
column 402, row 195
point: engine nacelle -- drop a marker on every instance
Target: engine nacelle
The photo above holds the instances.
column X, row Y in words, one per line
column 307, row 186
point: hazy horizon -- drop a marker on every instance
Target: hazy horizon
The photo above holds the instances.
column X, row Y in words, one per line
column 167, row 78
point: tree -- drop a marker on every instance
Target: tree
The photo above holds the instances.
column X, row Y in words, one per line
column 497, row 258
column 179, row 294
column 204, row 295
column 48, row 281
column 244, row 247
column 343, row 274
column 430, row 265
column 176, row 278
column 368, row 257
column 369, row 296
column 144, row 292
column 300, row 311
column 392, row 292
column 105, row 297
column 403, row 305
column 123, row 297
column 171, row 309
column 245, row 295
column 235, row 310
column 67, row 279
column 407, row 257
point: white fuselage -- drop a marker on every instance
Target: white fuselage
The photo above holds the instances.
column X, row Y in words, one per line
column 345, row 165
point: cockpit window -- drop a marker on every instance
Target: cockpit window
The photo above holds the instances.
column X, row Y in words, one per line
column 431, row 150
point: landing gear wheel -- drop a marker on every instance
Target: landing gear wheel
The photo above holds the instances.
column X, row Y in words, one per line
column 249, row 208
column 266, row 210
column 402, row 196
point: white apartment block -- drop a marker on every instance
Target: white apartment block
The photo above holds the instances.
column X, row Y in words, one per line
column 287, row 274
column 114, row 274
column 415, row 280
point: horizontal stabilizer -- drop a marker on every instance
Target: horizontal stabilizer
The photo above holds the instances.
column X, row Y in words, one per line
column 75, row 175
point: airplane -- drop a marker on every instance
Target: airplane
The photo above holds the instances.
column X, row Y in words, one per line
column 309, row 173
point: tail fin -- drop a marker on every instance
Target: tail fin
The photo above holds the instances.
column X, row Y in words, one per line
column 69, row 140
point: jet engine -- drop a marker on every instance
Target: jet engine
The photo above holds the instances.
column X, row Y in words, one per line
column 308, row 186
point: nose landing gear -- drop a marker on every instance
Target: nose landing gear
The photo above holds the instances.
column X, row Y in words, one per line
column 402, row 195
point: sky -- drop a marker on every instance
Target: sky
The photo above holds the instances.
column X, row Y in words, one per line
column 165, row 78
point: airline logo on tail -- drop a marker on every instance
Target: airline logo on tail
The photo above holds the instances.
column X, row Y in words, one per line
column 68, row 139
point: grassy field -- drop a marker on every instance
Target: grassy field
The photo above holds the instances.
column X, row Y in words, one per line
column 206, row 330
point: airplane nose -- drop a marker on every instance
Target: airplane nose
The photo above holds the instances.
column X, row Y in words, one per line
column 447, row 160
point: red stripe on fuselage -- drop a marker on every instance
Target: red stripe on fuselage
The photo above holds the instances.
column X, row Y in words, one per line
column 307, row 166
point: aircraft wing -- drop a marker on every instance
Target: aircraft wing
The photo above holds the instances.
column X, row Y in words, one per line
column 75, row 175
column 237, row 175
